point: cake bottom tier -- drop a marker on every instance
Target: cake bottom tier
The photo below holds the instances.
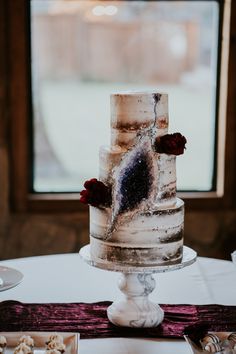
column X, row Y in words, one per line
column 160, row 254
column 150, row 238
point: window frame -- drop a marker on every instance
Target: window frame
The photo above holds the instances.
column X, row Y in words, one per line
column 22, row 198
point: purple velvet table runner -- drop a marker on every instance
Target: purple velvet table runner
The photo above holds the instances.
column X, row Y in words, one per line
column 92, row 322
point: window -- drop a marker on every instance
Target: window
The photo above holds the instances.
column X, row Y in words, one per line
column 22, row 157
column 83, row 50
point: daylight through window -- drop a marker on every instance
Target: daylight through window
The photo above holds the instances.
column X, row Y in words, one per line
column 84, row 50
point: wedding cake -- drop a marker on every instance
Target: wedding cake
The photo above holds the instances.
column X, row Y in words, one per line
column 135, row 217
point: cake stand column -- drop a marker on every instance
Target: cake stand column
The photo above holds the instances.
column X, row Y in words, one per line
column 135, row 309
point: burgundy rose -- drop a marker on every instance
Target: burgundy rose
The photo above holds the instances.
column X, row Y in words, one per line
column 171, row 144
column 96, row 193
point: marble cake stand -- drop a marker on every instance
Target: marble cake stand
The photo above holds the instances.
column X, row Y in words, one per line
column 136, row 283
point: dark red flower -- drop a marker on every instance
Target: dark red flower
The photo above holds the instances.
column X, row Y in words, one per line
column 171, row 144
column 96, row 193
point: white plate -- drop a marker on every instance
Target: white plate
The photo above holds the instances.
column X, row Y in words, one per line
column 9, row 278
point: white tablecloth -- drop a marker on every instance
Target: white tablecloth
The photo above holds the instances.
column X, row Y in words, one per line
column 66, row 278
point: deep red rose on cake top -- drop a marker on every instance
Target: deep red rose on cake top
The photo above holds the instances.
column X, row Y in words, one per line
column 96, row 193
column 171, row 144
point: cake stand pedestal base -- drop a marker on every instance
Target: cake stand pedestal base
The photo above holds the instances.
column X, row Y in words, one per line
column 136, row 283
column 136, row 310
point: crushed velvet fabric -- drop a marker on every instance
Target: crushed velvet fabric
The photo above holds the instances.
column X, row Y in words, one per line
column 90, row 319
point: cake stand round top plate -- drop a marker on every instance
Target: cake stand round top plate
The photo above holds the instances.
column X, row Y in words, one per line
column 189, row 257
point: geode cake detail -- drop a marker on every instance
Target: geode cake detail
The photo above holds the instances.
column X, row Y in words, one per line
column 142, row 223
column 134, row 187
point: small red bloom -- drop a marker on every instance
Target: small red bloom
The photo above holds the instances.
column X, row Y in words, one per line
column 96, row 193
column 171, row 144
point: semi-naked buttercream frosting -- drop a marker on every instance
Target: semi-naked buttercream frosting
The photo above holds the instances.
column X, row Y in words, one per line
column 141, row 221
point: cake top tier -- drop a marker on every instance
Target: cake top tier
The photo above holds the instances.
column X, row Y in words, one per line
column 137, row 108
column 136, row 111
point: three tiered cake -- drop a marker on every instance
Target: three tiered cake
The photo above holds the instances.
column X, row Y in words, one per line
column 135, row 217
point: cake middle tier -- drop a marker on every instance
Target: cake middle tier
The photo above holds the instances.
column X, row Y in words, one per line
column 110, row 157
